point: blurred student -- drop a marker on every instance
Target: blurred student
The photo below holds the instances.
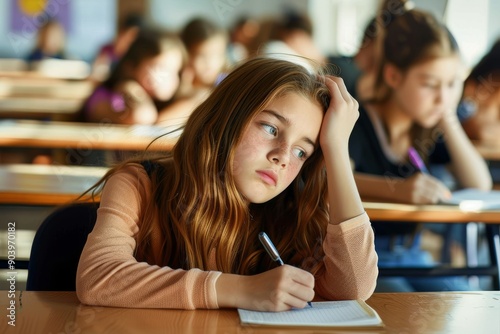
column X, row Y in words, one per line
column 50, row 43
column 109, row 54
column 144, row 79
column 482, row 94
column 242, row 38
column 417, row 89
column 206, row 44
column 266, row 151
column 290, row 37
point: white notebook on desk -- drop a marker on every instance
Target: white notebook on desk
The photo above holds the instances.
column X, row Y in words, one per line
column 474, row 199
column 345, row 313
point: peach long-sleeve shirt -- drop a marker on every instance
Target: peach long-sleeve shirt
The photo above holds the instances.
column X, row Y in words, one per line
column 109, row 275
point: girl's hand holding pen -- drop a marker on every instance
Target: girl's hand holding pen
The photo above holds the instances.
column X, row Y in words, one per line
column 422, row 189
column 279, row 289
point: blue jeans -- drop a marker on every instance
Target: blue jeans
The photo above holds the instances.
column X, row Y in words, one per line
column 400, row 252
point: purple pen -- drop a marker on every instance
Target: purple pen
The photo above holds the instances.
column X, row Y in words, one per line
column 416, row 160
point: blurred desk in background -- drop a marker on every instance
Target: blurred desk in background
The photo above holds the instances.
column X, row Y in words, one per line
column 45, row 184
column 39, row 108
column 441, row 213
column 42, row 98
column 435, row 213
column 86, row 136
column 489, row 152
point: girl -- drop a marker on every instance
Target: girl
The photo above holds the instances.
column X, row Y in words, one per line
column 145, row 78
column 414, row 105
column 207, row 46
column 482, row 91
column 252, row 158
column 50, row 43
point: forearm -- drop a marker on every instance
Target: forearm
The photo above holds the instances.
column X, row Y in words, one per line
column 350, row 261
column 469, row 167
column 345, row 202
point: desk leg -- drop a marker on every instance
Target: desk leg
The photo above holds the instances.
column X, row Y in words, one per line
column 492, row 232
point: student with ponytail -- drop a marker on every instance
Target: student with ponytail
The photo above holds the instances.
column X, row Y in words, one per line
column 413, row 105
column 266, row 151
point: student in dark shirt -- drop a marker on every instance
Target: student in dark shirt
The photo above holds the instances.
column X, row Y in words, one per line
column 414, row 103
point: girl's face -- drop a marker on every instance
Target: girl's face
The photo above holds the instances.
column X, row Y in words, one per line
column 275, row 145
column 429, row 90
column 208, row 59
column 159, row 76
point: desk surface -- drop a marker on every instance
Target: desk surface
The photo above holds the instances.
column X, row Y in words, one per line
column 488, row 151
column 45, row 185
column 55, row 312
column 85, row 136
column 57, row 184
column 436, row 213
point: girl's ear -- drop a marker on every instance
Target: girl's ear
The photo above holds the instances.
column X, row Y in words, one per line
column 392, row 76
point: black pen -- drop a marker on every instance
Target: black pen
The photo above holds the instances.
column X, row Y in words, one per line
column 272, row 251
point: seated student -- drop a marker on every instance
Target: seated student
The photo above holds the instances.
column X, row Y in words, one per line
column 50, row 43
column 417, row 90
column 292, row 35
column 206, row 44
column 242, row 38
column 266, row 151
column 482, row 92
column 110, row 53
column 145, row 79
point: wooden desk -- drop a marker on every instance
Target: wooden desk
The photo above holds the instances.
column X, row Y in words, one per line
column 489, row 151
column 20, row 107
column 57, row 312
column 45, row 185
column 85, row 136
column 439, row 213
column 41, row 97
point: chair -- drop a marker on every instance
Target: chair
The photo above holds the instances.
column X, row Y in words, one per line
column 57, row 246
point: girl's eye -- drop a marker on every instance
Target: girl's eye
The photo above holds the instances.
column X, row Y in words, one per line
column 270, row 129
column 301, row 154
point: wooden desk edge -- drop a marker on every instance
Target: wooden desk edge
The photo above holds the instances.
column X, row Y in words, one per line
column 41, row 198
column 428, row 213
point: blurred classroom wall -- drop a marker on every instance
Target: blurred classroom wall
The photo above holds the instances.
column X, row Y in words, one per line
column 338, row 24
column 90, row 24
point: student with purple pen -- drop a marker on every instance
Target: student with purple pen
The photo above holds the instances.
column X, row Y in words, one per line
column 408, row 125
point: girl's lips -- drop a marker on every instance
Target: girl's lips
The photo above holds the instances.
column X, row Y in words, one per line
column 268, row 177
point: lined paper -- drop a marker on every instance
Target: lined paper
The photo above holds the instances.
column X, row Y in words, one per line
column 335, row 313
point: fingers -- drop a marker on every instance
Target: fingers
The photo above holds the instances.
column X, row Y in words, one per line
column 294, row 288
column 429, row 190
column 338, row 83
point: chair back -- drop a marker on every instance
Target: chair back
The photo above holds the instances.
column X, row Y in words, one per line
column 57, row 246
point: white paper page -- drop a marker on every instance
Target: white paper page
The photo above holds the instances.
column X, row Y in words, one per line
column 337, row 313
column 474, row 199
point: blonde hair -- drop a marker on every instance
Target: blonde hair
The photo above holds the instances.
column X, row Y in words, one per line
column 196, row 202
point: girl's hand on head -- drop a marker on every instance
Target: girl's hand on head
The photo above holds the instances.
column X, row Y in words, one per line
column 450, row 115
column 423, row 189
column 340, row 116
column 278, row 289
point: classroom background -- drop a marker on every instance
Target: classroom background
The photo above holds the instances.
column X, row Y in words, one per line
column 338, row 24
column 337, row 29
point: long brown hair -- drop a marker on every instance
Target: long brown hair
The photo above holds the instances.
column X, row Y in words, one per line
column 410, row 37
column 196, row 202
